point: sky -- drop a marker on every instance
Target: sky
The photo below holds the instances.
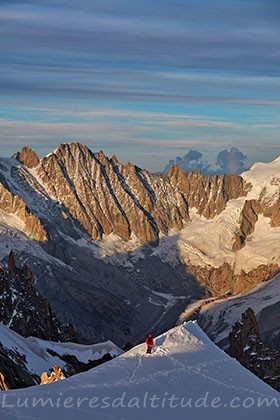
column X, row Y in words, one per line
column 146, row 80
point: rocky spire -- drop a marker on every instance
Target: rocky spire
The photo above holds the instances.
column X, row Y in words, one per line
column 27, row 157
column 114, row 159
column 12, row 268
column 242, row 332
column 247, row 347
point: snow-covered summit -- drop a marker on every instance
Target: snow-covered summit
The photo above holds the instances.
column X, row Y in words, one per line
column 186, row 376
column 261, row 170
column 265, row 179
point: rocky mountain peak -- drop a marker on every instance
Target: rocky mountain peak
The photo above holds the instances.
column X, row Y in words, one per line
column 264, row 179
column 114, row 159
column 242, row 331
column 27, row 157
column 247, row 347
column 107, row 197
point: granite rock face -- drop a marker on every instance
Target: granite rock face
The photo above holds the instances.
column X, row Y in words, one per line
column 209, row 195
column 248, row 219
column 247, row 347
column 13, row 204
column 27, row 157
column 221, row 281
column 108, row 197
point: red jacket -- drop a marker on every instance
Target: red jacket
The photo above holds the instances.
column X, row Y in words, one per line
column 150, row 341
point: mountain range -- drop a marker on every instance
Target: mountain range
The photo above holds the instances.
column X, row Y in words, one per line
column 118, row 250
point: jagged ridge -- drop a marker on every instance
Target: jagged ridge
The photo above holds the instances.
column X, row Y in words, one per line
column 24, row 310
column 108, row 197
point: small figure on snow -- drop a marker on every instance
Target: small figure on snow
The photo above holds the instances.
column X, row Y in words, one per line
column 150, row 343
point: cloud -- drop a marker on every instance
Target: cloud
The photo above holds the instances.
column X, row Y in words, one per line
column 201, row 124
column 192, row 161
column 231, row 162
column 227, row 162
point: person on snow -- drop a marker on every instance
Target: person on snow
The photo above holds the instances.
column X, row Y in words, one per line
column 150, row 343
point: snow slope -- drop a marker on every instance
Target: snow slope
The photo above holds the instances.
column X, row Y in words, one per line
column 218, row 317
column 38, row 359
column 185, row 368
column 265, row 178
column 209, row 241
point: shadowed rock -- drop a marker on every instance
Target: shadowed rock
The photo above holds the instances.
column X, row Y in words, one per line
column 24, row 310
column 247, row 347
column 11, row 263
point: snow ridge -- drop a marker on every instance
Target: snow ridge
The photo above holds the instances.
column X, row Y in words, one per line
column 185, row 364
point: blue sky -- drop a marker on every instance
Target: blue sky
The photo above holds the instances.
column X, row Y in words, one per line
column 145, row 80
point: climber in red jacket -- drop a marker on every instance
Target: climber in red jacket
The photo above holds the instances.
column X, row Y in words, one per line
column 150, row 343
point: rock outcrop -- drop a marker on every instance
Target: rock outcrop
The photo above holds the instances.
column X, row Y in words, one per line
column 24, row 310
column 3, row 386
column 73, row 365
column 246, row 281
column 56, row 375
column 12, row 268
column 248, row 219
column 247, row 347
column 273, row 211
column 27, row 157
column 13, row 204
column 209, row 195
column 222, row 281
